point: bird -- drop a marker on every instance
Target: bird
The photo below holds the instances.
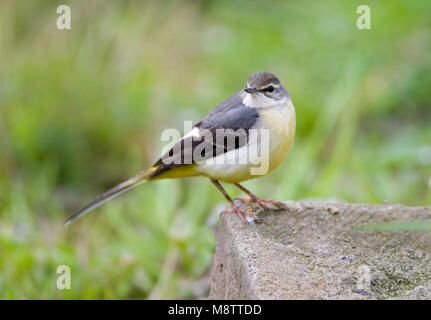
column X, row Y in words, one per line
column 223, row 146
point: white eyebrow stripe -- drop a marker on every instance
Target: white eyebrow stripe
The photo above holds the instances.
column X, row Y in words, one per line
column 271, row 84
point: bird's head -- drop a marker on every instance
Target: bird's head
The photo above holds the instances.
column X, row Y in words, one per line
column 265, row 86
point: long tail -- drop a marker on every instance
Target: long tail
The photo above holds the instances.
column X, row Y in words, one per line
column 115, row 191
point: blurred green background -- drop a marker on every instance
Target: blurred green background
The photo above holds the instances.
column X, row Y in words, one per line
column 83, row 109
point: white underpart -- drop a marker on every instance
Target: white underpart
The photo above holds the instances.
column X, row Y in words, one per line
column 260, row 100
column 234, row 163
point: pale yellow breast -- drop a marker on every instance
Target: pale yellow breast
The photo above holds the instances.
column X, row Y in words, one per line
column 281, row 122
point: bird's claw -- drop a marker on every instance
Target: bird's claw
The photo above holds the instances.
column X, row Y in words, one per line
column 246, row 216
column 265, row 203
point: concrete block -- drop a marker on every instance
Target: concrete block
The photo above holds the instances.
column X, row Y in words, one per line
column 309, row 251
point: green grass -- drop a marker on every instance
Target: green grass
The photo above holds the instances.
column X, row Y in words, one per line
column 83, row 109
column 397, row 226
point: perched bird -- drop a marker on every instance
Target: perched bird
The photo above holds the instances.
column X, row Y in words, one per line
column 251, row 130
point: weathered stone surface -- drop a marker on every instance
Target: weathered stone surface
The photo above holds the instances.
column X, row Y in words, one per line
column 310, row 251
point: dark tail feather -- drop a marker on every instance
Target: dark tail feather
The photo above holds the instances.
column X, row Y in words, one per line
column 115, row 191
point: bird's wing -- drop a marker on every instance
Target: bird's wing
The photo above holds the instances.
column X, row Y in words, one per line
column 225, row 128
column 231, row 114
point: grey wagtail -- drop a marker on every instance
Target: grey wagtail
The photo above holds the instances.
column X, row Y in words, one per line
column 263, row 106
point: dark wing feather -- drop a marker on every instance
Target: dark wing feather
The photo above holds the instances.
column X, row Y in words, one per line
column 232, row 116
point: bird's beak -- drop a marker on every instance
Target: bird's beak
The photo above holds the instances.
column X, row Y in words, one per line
column 251, row 90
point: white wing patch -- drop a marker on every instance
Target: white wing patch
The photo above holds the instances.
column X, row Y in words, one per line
column 193, row 133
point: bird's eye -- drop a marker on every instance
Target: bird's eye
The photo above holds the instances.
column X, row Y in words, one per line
column 270, row 88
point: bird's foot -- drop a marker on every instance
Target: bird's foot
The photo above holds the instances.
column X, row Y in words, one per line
column 246, row 216
column 265, row 203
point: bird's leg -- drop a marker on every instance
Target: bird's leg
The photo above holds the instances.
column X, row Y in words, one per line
column 234, row 208
column 262, row 202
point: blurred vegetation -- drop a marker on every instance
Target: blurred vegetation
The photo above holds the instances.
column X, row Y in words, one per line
column 83, row 109
column 396, row 226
